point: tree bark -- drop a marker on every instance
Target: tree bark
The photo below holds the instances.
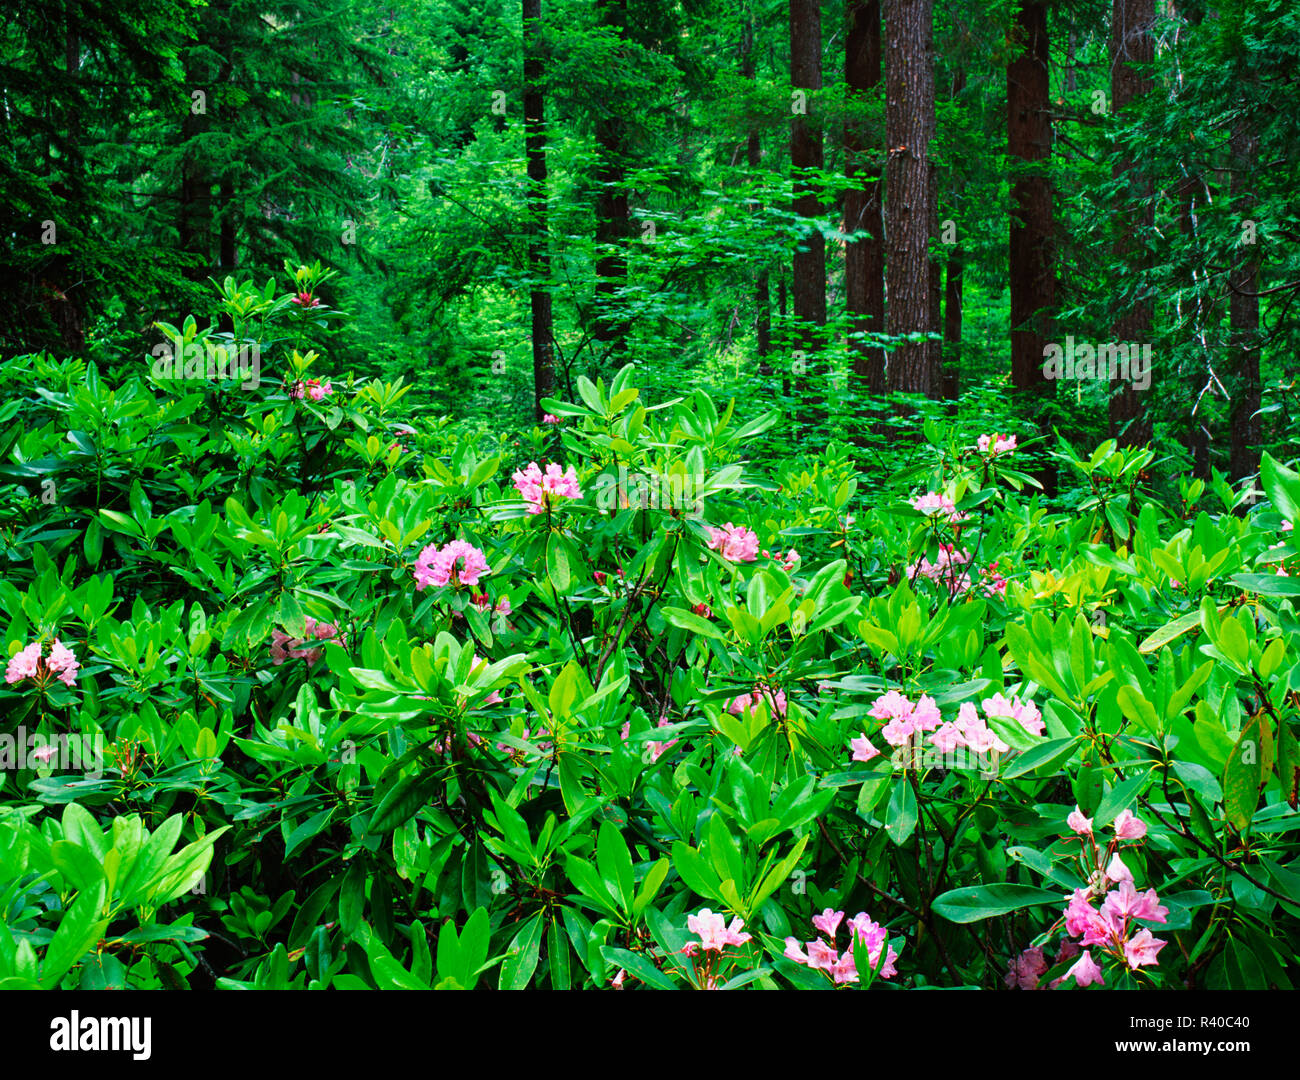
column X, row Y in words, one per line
column 754, row 158
column 1029, row 139
column 909, row 209
column 808, row 270
column 1243, row 311
column 613, row 213
column 1131, row 43
column 539, row 258
column 864, row 260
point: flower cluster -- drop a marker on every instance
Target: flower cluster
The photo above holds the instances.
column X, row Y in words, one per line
column 1111, row 928
column 284, row 648
column 541, row 489
column 714, row 932
column 484, row 603
column 788, row 562
column 734, row 543
column 27, row 664
column 305, row 300
column 932, row 503
column 439, row 566
column 998, row 444
column 312, row 389
column 823, row 956
column 906, row 721
column 550, row 418
column 656, row 749
column 949, row 569
column 776, row 703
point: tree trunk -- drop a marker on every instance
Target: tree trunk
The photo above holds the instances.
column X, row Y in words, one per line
column 1029, row 139
column 909, row 126
column 1243, row 311
column 952, row 295
column 754, row 158
column 864, row 260
column 1131, row 42
column 539, row 258
column 613, row 214
column 808, row 274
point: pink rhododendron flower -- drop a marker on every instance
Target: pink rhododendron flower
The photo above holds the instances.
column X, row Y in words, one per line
column 734, row 542
column 714, row 932
column 823, row 956
column 540, row 489
column 1141, row 949
column 947, row 739
column 945, row 570
column 897, row 732
column 788, row 562
column 43, row 753
column 1027, row 714
column 1127, row 903
column 775, row 699
column 285, row 648
column 862, row 749
column 925, row 714
column 1287, row 526
column 1128, row 827
column 1025, row 969
column 1080, row 824
column 998, row 443
column 658, row 749
column 1117, row 871
column 932, row 503
column 892, row 704
column 703, row 610
column 22, row 665
column 305, row 300
column 458, row 563
column 1085, row 971
column 63, row 663
column 550, row 418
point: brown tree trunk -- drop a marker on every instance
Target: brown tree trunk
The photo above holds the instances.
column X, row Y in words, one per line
column 1029, row 139
column 539, row 258
column 808, row 270
column 754, row 158
column 909, row 209
column 864, row 260
column 1131, row 42
column 952, row 295
column 1243, row 311
column 68, row 304
column 613, row 214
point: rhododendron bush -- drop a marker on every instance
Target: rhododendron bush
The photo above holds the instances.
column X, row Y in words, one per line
column 608, row 704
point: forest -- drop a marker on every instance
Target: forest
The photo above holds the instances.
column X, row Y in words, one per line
column 649, row 494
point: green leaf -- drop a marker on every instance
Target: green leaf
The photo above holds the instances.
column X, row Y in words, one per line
column 615, row 863
column 522, row 955
column 988, row 901
column 78, row 931
column 558, row 569
column 403, row 801
column 638, row 966
column 900, row 818
column 696, row 624
column 1248, row 768
column 1044, row 760
column 1119, row 798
